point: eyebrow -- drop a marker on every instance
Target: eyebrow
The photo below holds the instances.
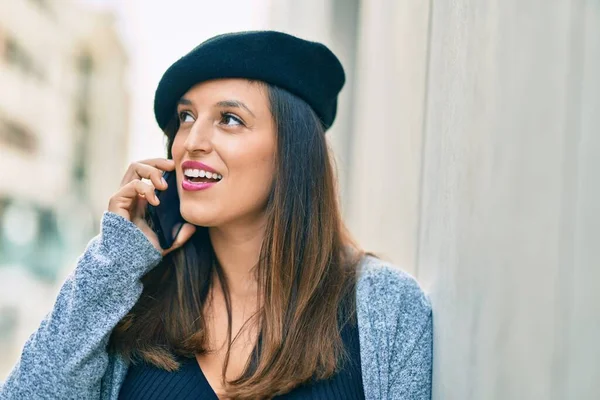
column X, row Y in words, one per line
column 224, row 103
column 236, row 104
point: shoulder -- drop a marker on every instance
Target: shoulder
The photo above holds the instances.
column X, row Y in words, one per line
column 386, row 285
column 390, row 299
column 395, row 330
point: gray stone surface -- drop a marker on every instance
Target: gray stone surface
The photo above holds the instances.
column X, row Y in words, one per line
column 582, row 362
column 387, row 121
column 507, row 212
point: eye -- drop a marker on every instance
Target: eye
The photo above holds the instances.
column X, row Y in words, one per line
column 230, row 120
column 186, row 116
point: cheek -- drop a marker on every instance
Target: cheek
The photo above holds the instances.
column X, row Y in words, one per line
column 251, row 177
column 177, row 147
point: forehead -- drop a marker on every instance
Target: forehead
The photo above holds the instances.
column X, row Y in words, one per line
column 253, row 92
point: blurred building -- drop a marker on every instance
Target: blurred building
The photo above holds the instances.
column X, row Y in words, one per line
column 63, row 145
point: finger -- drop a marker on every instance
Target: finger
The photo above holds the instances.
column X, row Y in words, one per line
column 144, row 171
column 163, row 164
column 147, row 191
column 124, row 202
column 141, row 169
column 137, row 188
column 185, row 233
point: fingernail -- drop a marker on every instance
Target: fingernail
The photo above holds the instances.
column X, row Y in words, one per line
column 163, row 181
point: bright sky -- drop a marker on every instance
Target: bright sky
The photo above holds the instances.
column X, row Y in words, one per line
column 156, row 34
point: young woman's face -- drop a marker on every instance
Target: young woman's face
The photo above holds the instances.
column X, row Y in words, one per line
column 226, row 130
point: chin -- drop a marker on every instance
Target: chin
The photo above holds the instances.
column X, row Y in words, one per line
column 194, row 216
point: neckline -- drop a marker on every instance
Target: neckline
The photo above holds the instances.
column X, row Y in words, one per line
column 210, row 391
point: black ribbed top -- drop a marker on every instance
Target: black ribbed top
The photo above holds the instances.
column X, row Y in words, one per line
column 144, row 381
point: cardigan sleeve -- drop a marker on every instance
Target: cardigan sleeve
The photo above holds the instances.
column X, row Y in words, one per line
column 410, row 376
column 396, row 337
column 66, row 357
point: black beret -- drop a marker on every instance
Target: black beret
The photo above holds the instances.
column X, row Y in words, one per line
column 307, row 69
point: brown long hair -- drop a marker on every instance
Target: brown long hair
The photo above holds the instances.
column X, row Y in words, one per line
column 306, row 274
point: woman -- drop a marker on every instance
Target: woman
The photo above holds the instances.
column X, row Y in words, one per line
column 262, row 294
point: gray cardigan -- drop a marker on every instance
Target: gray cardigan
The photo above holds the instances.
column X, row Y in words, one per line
column 66, row 357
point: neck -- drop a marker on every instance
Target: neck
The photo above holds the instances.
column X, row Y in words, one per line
column 237, row 248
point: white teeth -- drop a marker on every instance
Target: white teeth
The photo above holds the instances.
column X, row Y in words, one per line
column 195, row 173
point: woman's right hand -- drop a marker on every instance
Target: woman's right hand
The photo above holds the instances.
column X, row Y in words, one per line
column 132, row 198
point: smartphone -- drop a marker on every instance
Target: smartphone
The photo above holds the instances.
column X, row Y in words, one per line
column 165, row 219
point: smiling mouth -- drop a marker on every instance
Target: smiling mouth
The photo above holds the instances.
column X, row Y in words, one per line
column 201, row 176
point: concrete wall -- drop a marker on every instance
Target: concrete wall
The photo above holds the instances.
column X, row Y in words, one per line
column 383, row 202
column 473, row 162
column 508, row 217
column 582, row 367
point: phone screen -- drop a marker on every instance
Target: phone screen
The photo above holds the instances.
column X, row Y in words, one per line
column 165, row 219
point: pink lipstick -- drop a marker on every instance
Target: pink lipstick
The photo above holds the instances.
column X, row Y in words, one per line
column 191, row 186
column 196, row 165
column 198, row 176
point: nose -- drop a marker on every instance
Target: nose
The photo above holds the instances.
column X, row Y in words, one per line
column 199, row 139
